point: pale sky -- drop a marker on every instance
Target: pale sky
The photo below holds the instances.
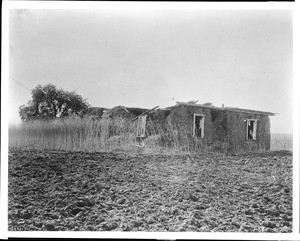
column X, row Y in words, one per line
column 145, row 58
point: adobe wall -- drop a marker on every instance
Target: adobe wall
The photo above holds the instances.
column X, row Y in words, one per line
column 157, row 122
column 219, row 120
column 222, row 126
column 182, row 117
column 237, row 128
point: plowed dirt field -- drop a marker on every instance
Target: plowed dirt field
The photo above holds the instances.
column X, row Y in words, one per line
column 68, row 191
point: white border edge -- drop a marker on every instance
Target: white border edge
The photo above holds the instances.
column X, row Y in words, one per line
column 88, row 5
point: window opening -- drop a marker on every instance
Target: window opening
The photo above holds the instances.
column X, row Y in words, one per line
column 198, row 130
column 251, row 129
column 141, row 129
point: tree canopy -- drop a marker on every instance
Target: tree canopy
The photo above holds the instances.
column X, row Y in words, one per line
column 51, row 102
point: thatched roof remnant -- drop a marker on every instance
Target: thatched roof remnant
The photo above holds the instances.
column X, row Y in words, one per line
column 118, row 111
column 95, row 111
column 208, row 104
column 148, row 111
column 127, row 112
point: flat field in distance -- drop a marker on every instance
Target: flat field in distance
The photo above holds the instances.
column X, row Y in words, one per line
column 106, row 191
column 282, row 141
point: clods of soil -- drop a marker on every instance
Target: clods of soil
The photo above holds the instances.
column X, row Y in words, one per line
column 69, row 191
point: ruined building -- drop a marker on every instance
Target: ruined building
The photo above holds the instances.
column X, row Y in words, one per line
column 234, row 128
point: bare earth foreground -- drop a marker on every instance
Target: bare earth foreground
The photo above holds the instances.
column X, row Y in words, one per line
column 57, row 190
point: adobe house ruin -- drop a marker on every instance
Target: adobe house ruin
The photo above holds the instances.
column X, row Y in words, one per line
column 237, row 129
column 240, row 129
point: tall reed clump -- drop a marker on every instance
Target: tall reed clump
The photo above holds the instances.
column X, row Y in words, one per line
column 169, row 137
column 87, row 134
column 73, row 134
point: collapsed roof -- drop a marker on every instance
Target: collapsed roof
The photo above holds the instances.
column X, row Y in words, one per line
column 234, row 109
column 134, row 112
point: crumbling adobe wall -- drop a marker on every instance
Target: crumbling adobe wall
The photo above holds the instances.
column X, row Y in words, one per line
column 222, row 126
column 157, row 122
column 121, row 112
column 237, row 128
column 219, row 120
column 136, row 111
column 182, row 116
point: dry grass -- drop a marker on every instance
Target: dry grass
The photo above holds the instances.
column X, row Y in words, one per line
column 281, row 141
column 85, row 134
column 72, row 134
